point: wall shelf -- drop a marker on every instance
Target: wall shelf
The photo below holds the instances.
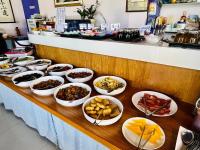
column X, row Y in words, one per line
column 176, row 4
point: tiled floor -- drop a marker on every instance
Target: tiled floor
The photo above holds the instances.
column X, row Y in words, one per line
column 15, row 135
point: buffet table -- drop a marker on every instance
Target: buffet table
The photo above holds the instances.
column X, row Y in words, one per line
column 73, row 131
column 48, row 125
column 144, row 67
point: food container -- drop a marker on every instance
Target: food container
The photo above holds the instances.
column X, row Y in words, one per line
column 27, row 83
column 39, row 67
column 139, row 95
column 60, row 73
column 114, row 92
column 134, row 139
column 74, row 102
column 4, row 61
column 104, row 122
column 47, row 92
column 6, row 66
column 128, row 35
column 79, row 80
column 9, row 73
column 23, row 63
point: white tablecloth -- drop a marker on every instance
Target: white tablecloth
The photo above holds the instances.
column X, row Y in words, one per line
column 47, row 125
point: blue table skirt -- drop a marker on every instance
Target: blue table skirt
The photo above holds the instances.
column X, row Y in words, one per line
column 47, row 125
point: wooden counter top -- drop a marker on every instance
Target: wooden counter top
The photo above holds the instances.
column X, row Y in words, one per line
column 110, row 136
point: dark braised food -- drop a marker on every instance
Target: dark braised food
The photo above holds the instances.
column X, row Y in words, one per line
column 72, row 93
column 45, row 85
column 28, row 77
column 153, row 103
column 60, row 69
column 79, row 75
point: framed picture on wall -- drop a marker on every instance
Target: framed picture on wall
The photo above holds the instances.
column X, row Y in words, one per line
column 61, row 3
column 136, row 5
column 6, row 12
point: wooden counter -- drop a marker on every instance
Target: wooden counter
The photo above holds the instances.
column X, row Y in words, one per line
column 181, row 83
column 110, row 136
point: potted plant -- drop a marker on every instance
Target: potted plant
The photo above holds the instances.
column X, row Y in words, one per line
column 82, row 13
column 88, row 12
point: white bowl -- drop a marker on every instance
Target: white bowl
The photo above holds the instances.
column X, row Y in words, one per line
column 75, row 102
column 79, row 80
column 108, row 121
column 47, row 92
column 23, row 63
column 38, row 67
column 25, row 84
column 4, row 61
column 105, row 92
column 19, row 68
column 9, row 64
column 152, row 39
column 61, row 73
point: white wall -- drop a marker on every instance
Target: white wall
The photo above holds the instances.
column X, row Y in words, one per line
column 19, row 17
column 113, row 11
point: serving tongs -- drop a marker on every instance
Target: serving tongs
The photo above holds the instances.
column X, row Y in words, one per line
column 95, row 121
column 155, row 111
column 140, row 147
column 10, row 71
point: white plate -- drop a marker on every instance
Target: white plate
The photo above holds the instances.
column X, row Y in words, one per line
column 79, row 80
column 20, row 70
column 23, row 63
column 104, row 122
column 4, row 61
column 75, row 102
column 105, row 92
column 61, row 73
column 179, row 142
column 38, row 67
column 134, row 139
column 47, row 92
column 27, row 83
column 137, row 96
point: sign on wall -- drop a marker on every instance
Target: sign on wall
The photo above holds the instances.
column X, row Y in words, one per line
column 6, row 12
column 136, row 5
